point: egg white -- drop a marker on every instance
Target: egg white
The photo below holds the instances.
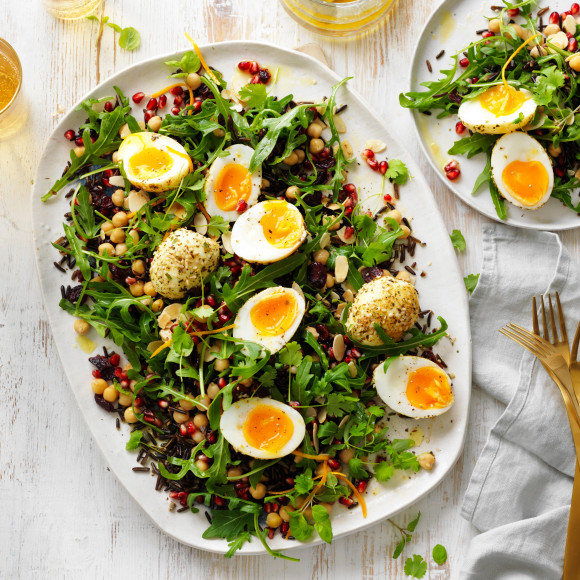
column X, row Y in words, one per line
column 232, row 427
column 249, row 241
column 479, row 120
column 133, row 144
column 519, row 147
column 392, row 386
column 238, row 154
column 245, row 330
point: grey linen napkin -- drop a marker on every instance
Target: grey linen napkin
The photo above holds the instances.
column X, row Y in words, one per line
column 520, row 489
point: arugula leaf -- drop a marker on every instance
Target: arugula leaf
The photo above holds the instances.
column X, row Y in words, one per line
column 471, row 281
column 229, row 524
column 458, row 240
column 415, row 566
column 470, row 146
column 134, row 440
column 397, row 172
column 130, row 39
column 498, row 201
column 399, row 548
column 254, row 96
column 439, row 554
column 237, row 543
column 413, row 524
column 322, row 523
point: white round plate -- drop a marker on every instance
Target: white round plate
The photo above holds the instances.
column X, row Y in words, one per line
column 452, row 27
column 441, row 290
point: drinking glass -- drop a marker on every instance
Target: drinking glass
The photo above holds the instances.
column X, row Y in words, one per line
column 71, row 9
column 13, row 107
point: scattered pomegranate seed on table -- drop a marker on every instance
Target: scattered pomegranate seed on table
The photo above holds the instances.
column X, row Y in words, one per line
column 459, row 128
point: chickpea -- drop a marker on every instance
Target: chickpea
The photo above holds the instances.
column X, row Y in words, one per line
column 180, row 417
column 292, row 191
column 259, row 492
column 193, row 81
column 203, row 403
column 136, row 289
column 321, row 256
column 273, row 520
column 120, row 219
column 107, row 228
column 110, row 394
column 403, row 275
column 138, row 267
column 157, row 306
column 109, row 248
column 346, row 455
column 396, row 215
column 186, row 405
column 554, row 151
column 316, row 146
column 134, row 235
column 99, row 386
column 202, row 465
column 201, row 421
column 285, row 512
column 314, row 130
column 300, row 154
column 219, row 133
column 426, row 460
column 221, row 364
column 125, row 400
column 118, row 197
column 300, row 501
column 120, row 249
column 129, row 415
column 247, row 382
column 265, row 184
column 327, row 506
column 329, row 280
column 81, row 326
column 326, row 219
column 132, row 385
column 551, row 29
column 117, row 236
column 234, row 472
column 155, row 123
column 308, row 514
column 79, row 151
column 292, row 159
column 494, row 25
column 198, row 437
column 149, row 289
column 212, row 391
column 574, row 62
column 406, row 231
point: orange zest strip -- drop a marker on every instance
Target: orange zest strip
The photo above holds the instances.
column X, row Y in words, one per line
column 307, row 456
column 503, row 68
column 201, row 208
column 356, row 492
column 200, row 333
column 202, row 60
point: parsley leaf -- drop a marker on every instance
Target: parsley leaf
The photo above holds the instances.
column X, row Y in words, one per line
column 383, row 472
column 471, row 281
column 254, row 96
column 134, row 440
column 217, row 226
column 458, row 240
column 549, row 81
column 415, row 566
column 397, row 172
column 303, row 482
column 338, row 405
column 439, row 554
column 355, row 469
column 291, row 354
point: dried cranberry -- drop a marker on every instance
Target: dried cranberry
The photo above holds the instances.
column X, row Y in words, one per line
column 369, row 274
column 109, row 407
column 317, row 274
column 264, row 76
column 104, row 366
column 323, row 332
column 73, row 294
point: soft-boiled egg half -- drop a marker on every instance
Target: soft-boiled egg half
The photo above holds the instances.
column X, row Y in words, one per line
column 500, row 109
column 262, row 428
column 522, row 171
column 270, row 318
column 229, row 182
column 414, row 387
column 268, row 232
column 154, row 162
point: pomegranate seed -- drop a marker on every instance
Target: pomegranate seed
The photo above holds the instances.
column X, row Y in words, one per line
column 242, row 206
column 559, row 172
column 175, row 111
column 325, row 153
column 554, row 18
column 138, row 401
column 513, row 12
column 285, row 528
column 354, row 352
column 453, row 174
column 197, row 106
column 459, row 128
column 178, row 101
column 148, row 116
column 108, row 173
column 573, row 45
column 333, row 464
column 176, row 91
column 368, row 153
column 387, row 197
column 183, row 430
column 374, row 165
column 109, row 106
column 162, row 101
column 453, row 164
column 174, row 495
column 118, row 372
column 464, row 62
column 221, row 383
column 163, row 404
column 93, row 138
column 331, row 352
column 574, row 9
column 362, row 486
column 271, row 532
column 563, row 15
column 152, row 104
column 79, row 141
column 97, row 373
column 124, row 376
column 224, row 317
column 254, row 68
column 219, row 501
column 351, row 187
column 348, row 232
column 487, row 34
column 114, row 359
column 70, row 135
column 244, row 64
column 383, row 166
column 210, row 301
column 345, row 501
column 130, row 280
column 256, row 80
column 138, row 97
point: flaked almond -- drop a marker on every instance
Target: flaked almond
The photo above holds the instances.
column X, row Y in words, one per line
column 296, row 286
column 375, row 145
column 177, row 210
column 117, row 181
column 352, row 369
column 315, row 441
column 313, row 331
column 339, row 310
column 136, row 200
column 169, row 315
column 227, row 242
column 322, row 414
column 347, row 149
column 334, row 296
column 333, row 206
column 324, row 240
column 200, row 223
column 569, row 25
column 339, row 124
column 212, row 352
column 166, row 334
column 348, row 296
column 338, row 347
column 341, row 268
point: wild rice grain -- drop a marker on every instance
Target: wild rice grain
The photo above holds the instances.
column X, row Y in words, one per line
column 410, row 270
column 141, row 469
column 543, row 11
column 429, row 67
column 440, row 54
column 59, row 267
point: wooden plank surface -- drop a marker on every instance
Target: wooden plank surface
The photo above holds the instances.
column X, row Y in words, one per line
column 63, row 514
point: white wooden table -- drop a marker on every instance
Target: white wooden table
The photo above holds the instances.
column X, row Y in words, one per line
column 63, row 514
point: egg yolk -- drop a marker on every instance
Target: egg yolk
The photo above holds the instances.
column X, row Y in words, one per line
column 281, row 225
column 502, row 100
column 428, row 388
column 150, row 162
column 233, row 184
column 527, row 180
column 268, row 428
column 274, row 314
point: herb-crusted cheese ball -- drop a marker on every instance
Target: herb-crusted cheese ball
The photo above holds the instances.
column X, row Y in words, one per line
column 182, row 261
column 391, row 303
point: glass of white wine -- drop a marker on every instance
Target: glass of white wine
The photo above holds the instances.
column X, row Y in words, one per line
column 13, row 107
column 71, row 9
